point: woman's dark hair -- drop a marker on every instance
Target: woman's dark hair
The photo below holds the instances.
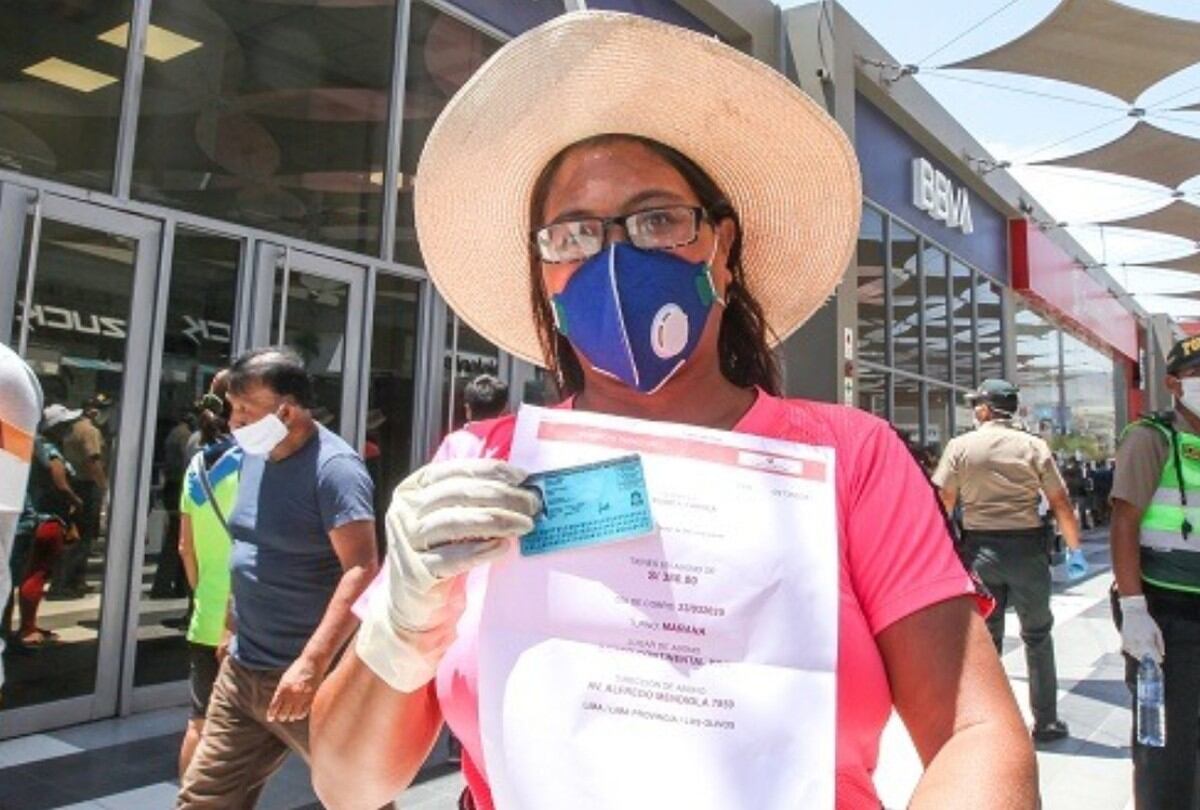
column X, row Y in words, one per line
column 742, row 347
column 277, row 368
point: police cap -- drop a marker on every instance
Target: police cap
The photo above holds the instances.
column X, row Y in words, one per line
column 1000, row 395
column 1183, row 355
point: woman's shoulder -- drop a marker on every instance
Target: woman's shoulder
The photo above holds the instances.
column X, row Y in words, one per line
column 813, row 422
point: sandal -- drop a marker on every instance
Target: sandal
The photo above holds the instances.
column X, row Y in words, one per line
column 37, row 638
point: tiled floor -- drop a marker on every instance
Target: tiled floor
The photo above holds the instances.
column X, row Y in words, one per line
column 1090, row 770
column 129, row 764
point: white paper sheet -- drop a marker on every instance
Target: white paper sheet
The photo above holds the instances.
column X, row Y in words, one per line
column 691, row 669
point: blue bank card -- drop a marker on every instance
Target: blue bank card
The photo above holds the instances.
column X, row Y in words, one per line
column 593, row 503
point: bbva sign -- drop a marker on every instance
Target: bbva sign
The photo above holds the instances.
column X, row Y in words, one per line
column 934, row 194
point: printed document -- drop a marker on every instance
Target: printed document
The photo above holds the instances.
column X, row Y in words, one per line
column 691, row 667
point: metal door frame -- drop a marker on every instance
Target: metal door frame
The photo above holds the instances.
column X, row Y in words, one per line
column 271, row 256
column 16, row 203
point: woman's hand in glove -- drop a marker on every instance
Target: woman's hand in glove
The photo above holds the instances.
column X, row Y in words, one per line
column 445, row 519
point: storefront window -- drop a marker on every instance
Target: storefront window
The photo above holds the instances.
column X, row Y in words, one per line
column 269, row 114
column 939, row 430
column 1088, row 388
column 937, row 332
column 906, row 415
column 63, row 73
column 316, row 322
column 872, row 309
column 906, row 304
column 944, row 334
column 196, row 345
column 467, row 355
column 989, row 329
column 1037, row 373
column 388, row 449
column 872, row 391
column 963, row 325
column 443, row 52
column 540, row 389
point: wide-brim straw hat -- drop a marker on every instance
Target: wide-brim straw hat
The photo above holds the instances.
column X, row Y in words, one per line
column 785, row 165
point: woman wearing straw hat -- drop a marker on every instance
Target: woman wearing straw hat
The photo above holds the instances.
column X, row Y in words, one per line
column 645, row 212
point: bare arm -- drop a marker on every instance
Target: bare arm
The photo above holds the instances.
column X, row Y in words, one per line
column 952, row 695
column 187, row 550
column 368, row 740
column 949, row 496
column 58, row 474
column 1064, row 514
column 354, row 544
column 95, row 470
column 1126, row 553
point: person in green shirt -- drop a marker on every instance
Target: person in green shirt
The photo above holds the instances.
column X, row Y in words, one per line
column 208, row 495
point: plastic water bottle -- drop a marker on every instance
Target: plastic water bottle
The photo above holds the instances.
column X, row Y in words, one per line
column 1151, row 711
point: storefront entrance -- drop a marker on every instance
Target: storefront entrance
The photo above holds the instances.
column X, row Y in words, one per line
column 133, row 315
column 77, row 285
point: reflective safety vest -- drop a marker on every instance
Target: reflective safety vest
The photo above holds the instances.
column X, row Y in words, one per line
column 1170, row 530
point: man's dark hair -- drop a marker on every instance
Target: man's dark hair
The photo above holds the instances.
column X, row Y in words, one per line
column 486, row 396
column 275, row 367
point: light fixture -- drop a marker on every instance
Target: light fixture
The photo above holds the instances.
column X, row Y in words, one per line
column 161, row 45
column 69, row 74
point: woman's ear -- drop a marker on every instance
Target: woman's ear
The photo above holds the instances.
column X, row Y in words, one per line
column 726, row 233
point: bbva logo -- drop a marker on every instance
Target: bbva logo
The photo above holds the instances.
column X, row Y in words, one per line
column 936, row 195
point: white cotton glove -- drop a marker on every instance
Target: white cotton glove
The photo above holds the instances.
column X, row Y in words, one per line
column 445, row 519
column 1140, row 635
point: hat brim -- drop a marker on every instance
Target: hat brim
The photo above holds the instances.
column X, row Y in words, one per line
column 786, row 166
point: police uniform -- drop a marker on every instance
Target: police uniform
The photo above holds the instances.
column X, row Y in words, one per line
column 999, row 472
column 1158, row 473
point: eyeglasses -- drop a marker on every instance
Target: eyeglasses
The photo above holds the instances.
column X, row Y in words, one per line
column 652, row 229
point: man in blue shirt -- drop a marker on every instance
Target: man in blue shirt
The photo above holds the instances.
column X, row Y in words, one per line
column 303, row 551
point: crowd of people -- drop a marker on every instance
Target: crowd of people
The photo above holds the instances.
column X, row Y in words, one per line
column 647, row 255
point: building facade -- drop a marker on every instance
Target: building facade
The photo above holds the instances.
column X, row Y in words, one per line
column 958, row 276
column 181, row 180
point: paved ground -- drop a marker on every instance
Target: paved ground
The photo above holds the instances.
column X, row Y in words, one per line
column 128, row 764
column 1091, row 769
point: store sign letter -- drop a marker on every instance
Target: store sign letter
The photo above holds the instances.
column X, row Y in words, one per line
column 934, row 194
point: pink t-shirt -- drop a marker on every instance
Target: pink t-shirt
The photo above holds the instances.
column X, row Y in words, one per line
column 896, row 558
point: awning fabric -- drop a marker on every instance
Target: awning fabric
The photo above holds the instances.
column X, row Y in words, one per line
column 1145, row 151
column 1178, row 219
column 1188, row 264
column 1100, row 44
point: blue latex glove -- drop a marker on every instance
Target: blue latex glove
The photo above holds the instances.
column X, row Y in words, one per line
column 1077, row 564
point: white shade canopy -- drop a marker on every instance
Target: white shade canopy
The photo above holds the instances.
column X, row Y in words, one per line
column 1101, row 44
column 1146, row 152
column 1178, row 219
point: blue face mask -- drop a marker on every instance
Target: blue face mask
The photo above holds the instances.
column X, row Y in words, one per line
column 635, row 314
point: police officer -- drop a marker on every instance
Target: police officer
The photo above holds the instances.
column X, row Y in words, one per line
column 1156, row 564
column 998, row 472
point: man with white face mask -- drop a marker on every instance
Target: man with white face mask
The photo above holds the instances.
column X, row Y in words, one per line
column 303, row 530
column 1156, row 565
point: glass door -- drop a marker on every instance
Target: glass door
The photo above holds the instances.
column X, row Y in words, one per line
column 315, row 305
column 77, row 286
column 194, row 338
